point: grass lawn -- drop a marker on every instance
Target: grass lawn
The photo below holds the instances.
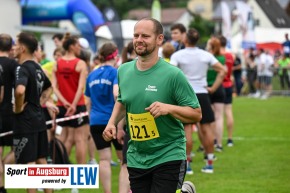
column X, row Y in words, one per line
column 259, row 160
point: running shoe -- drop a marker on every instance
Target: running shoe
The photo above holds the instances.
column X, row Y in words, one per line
column 188, row 187
column 207, row 169
column 189, row 171
column 230, row 143
column 92, row 161
column 219, row 148
column 214, row 158
column 113, row 163
column 200, row 149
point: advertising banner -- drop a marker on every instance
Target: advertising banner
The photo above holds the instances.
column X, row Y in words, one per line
column 51, row 176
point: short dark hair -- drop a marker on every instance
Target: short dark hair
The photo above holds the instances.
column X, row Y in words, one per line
column 58, row 36
column 178, row 26
column 157, row 25
column 5, row 42
column 223, row 40
column 29, row 40
column 192, row 36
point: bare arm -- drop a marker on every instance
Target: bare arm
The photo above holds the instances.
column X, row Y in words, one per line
column 19, row 98
column 120, row 131
column 88, row 104
column 185, row 114
column 1, row 93
column 118, row 113
column 221, row 72
column 45, row 96
column 115, row 91
column 82, row 68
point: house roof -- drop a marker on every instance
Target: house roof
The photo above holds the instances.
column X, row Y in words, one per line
column 168, row 16
column 275, row 13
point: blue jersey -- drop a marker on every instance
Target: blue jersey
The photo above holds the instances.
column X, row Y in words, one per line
column 99, row 87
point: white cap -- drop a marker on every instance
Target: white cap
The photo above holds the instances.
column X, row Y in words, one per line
column 84, row 43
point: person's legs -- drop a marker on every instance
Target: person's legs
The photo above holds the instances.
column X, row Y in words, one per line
column 287, row 80
column 9, row 158
column 43, row 161
column 206, row 130
column 124, row 183
column 92, row 150
column 219, row 123
column 189, row 143
column 105, row 168
column 140, row 180
column 230, row 123
column 208, row 141
column 68, row 143
column 81, row 142
column 251, row 81
column 282, row 85
column 1, row 171
column 168, row 177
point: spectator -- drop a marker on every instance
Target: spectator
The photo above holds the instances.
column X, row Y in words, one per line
column 237, row 72
column 196, row 75
column 177, row 32
column 286, row 45
column 57, row 39
column 68, row 81
column 251, row 72
column 167, row 51
column 283, row 65
column 101, row 92
column 217, row 98
column 7, row 71
column 32, row 89
column 228, row 86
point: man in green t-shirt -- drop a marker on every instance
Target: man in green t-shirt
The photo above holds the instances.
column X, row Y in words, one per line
column 284, row 65
column 156, row 99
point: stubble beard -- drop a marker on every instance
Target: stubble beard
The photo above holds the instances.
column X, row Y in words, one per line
column 145, row 52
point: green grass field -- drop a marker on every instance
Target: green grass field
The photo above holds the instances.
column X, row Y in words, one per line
column 259, row 160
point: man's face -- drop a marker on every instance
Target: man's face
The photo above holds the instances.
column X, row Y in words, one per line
column 145, row 40
column 18, row 49
column 57, row 42
column 176, row 35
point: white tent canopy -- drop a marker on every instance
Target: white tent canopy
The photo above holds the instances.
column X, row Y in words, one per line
column 265, row 35
column 127, row 30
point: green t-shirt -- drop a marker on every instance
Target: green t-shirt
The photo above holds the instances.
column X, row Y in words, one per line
column 139, row 89
column 211, row 73
column 283, row 64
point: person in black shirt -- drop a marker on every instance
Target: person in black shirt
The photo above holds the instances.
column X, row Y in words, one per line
column 237, row 72
column 7, row 69
column 32, row 89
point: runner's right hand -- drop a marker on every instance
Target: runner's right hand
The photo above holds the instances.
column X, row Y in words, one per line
column 110, row 133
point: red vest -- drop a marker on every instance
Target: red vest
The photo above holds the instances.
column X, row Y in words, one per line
column 68, row 80
column 229, row 64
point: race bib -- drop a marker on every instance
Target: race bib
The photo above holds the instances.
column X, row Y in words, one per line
column 142, row 127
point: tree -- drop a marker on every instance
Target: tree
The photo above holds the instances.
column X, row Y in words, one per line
column 204, row 27
column 124, row 6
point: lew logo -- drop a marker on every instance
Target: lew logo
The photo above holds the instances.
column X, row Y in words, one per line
column 151, row 88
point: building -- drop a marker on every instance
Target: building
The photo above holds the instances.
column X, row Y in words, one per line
column 168, row 16
column 10, row 17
